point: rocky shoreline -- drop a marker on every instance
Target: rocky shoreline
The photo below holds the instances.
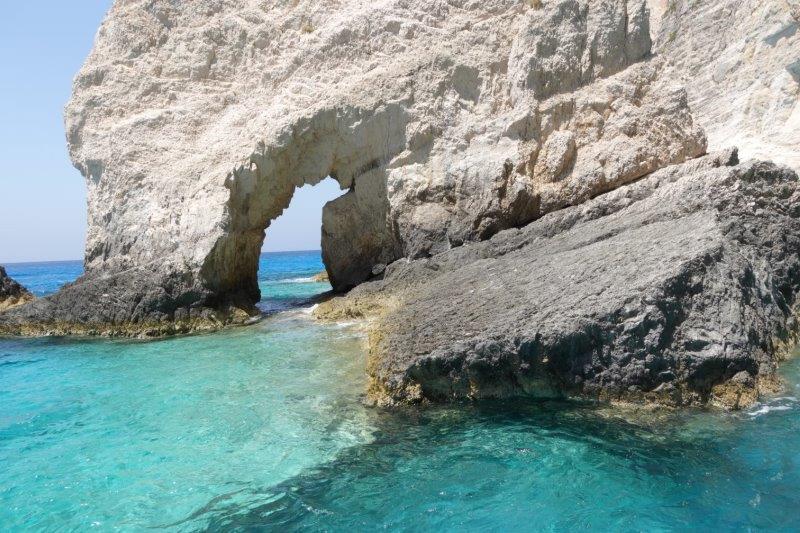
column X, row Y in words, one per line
column 528, row 204
column 12, row 294
column 138, row 303
column 676, row 290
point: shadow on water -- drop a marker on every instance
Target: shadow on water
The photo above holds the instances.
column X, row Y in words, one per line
column 513, row 466
column 523, row 464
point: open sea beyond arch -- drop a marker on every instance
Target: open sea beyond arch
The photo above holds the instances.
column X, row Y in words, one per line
column 262, row 428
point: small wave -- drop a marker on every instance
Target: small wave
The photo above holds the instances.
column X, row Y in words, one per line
column 309, row 310
column 783, row 403
column 297, row 280
column 345, row 324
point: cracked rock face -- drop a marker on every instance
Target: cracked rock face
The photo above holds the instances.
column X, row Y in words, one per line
column 12, row 293
column 444, row 122
column 678, row 289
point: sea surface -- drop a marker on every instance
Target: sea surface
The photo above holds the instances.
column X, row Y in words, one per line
column 262, row 428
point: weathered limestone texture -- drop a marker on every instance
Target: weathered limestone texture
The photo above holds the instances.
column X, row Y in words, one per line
column 679, row 289
column 740, row 63
column 445, row 121
column 12, row 293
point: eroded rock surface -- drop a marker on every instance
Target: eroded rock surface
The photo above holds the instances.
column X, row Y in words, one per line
column 740, row 63
column 678, row 289
column 446, row 122
column 12, row 293
column 524, row 178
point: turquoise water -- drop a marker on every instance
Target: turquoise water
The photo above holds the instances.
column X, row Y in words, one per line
column 261, row 428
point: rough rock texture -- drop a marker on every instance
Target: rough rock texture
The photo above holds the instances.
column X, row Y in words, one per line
column 126, row 304
column 445, row 121
column 740, row 63
column 523, row 180
column 678, row 289
column 12, row 293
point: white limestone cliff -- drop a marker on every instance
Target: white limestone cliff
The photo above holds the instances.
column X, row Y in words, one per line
column 444, row 121
column 740, row 63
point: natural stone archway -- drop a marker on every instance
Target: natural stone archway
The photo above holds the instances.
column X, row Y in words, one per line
column 530, row 167
column 348, row 144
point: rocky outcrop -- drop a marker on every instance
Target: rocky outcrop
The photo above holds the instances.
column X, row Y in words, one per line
column 12, row 293
column 535, row 159
column 142, row 302
column 322, row 277
column 678, row 289
column 445, row 122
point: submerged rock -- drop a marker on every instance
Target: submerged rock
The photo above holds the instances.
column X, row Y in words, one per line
column 679, row 289
column 12, row 293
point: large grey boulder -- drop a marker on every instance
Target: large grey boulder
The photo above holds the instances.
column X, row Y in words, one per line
column 678, row 289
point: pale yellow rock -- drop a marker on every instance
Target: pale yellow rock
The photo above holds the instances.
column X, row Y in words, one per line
column 321, row 277
column 12, row 294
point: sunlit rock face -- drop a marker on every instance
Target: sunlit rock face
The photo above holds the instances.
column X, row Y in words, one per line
column 445, row 122
column 678, row 289
column 740, row 63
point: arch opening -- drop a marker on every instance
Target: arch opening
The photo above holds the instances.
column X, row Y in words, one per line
column 350, row 145
column 290, row 269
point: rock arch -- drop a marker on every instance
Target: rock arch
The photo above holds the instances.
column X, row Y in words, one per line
column 349, row 144
column 446, row 123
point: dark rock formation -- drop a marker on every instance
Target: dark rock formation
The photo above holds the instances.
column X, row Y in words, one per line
column 678, row 289
column 12, row 293
column 136, row 303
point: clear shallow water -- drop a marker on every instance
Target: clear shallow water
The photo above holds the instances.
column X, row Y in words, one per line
column 261, row 428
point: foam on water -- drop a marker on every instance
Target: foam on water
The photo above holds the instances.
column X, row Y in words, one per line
column 263, row 428
column 782, row 403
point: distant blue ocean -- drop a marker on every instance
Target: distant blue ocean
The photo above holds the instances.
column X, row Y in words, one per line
column 263, row 428
column 284, row 277
column 45, row 278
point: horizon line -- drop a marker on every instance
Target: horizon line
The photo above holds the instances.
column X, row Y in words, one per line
column 81, row 260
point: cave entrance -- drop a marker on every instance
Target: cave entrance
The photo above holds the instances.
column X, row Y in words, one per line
column 290, row 268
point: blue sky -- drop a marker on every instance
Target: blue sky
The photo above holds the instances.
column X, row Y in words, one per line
column 42, row 197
